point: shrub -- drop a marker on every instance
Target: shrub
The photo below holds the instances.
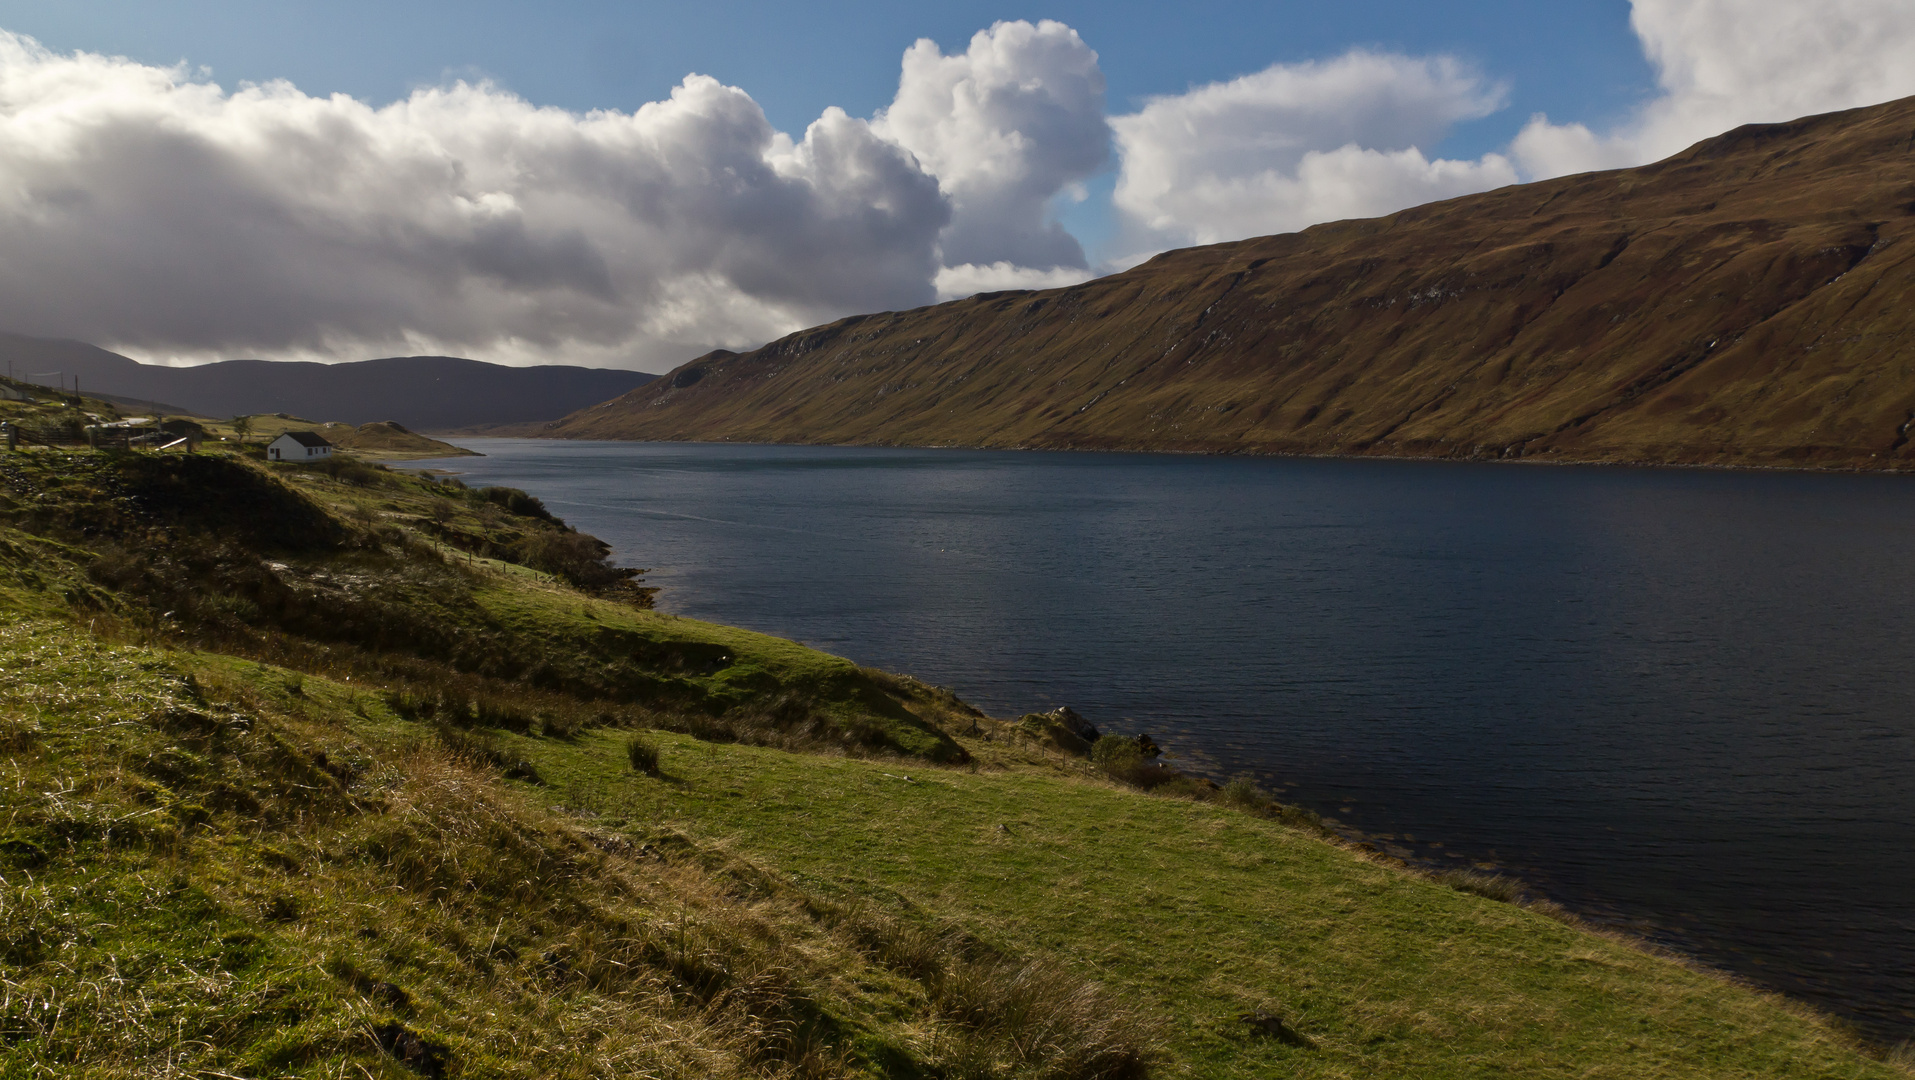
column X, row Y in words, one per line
column 1117, row 755
column 1242, row 792
column 642, row 752
column 580, row 559
column 517, row 502
column 351, row 470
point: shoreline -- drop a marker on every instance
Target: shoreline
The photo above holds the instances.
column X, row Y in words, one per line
column 1651, row 925
column 1851, row 468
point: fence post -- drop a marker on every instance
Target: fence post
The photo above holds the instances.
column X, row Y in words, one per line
column 13, row 437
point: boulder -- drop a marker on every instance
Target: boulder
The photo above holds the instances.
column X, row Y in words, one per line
column 1074, row 723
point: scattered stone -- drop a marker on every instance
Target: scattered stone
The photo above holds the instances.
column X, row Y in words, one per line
column 1271, row 1026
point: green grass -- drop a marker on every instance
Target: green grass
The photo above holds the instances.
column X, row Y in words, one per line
column 729, row 669
column 399, row 578
column 1201, row 915
column 236, row 841
column 213, row 867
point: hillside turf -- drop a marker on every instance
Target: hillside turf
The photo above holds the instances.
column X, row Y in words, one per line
column 236, row 843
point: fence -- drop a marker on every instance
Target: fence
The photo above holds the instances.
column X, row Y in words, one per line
column 100, row 438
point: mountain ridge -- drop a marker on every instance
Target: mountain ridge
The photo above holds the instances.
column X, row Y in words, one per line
column 432, row 393
column 1743, row 302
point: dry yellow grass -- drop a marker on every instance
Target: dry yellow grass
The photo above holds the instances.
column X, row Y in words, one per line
column 1747, row 302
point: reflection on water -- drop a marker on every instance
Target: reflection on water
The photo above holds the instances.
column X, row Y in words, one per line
column 1678, row 700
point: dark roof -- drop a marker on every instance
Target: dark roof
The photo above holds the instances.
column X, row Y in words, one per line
column 305, row 438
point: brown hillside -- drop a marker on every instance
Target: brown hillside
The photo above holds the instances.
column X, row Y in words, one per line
column 1748, row 301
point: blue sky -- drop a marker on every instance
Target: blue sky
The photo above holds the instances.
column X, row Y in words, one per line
column 180, row 182
column 1573, row 59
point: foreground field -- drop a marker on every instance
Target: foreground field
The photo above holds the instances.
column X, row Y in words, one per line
column 256, row 835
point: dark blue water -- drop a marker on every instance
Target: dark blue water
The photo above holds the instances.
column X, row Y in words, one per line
column 1682, row 701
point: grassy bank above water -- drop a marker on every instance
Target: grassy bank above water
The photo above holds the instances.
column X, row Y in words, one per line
column 357, row 795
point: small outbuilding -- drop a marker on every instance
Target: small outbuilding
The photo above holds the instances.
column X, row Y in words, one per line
column 298, row 446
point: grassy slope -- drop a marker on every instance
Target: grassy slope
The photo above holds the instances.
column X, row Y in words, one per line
column 380, row 439
column 1744, row 302
column 262, row 874
column 1204, row 914
column 256, row 871
column 388, row 441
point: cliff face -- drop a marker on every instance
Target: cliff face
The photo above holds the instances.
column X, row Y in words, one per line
column 1748, row 301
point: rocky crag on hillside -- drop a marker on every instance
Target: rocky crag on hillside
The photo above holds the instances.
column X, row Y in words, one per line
column 1749, row 301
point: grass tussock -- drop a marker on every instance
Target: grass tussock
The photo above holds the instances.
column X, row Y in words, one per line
column 642, row 752
column 1005, row 1015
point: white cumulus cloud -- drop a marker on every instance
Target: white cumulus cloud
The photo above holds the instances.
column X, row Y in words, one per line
column 1297, row 144
column 143, row 209
column 1005, row 126
column 146, row 209
column 1723, row 63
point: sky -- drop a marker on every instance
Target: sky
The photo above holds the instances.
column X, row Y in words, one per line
column 630, row 184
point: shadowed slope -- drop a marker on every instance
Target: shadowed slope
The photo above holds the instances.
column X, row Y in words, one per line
column 430, row 393
column 1745, row 302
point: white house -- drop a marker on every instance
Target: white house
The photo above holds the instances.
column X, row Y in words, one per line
column 298, row 446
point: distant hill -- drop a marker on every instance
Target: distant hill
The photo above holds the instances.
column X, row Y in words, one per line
column 1748, row 301
column 389, row 441
column 426, row 393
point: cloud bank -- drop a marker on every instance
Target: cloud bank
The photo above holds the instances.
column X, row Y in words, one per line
column 143, row 210
column 146, row 210
column 1723, row 63
column 1296, row 144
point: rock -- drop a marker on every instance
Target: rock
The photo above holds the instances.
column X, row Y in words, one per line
column 1271, row 1026
column 1074, row 723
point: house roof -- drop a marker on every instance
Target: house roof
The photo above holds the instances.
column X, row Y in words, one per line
column 305, row 438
